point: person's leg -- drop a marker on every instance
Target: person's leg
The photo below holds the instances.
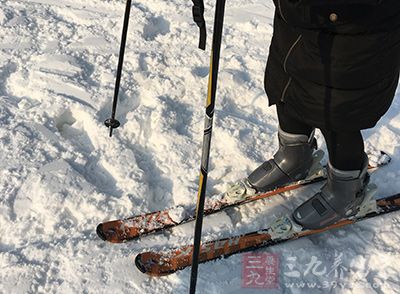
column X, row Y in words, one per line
column 289, row 123
column 294, row 158
column 346, row 149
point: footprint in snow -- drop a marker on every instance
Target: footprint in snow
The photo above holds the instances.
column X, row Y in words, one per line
column 200, row 71
column 156, row 26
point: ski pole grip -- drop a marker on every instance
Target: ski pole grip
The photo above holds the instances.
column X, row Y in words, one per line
column 198, row 17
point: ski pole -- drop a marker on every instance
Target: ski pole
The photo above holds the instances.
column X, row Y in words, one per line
column 212, row 89
column 112, row 123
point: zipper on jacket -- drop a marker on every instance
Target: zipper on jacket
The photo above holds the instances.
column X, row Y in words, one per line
column 285, row 89
column 285, row 69
column 280, row 10
column 290, row 52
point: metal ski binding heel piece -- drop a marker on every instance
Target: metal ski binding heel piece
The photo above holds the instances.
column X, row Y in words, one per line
column 369, row 203
column 317, row 170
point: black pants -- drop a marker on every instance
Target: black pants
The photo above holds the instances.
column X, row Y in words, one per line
column 346, row 149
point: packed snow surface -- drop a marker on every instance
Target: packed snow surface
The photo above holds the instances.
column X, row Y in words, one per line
column 61, row 174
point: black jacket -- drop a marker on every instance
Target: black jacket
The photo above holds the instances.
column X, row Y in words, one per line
column 335, row 62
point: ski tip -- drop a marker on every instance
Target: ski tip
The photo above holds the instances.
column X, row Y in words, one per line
column 100, row 232
column 139, row 264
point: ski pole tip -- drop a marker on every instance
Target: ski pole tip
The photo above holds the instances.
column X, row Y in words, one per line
column 112, row 123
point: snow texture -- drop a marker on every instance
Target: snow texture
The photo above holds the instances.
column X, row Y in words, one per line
column 60, row 173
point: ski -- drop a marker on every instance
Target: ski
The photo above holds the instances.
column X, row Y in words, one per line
column 282, row 230
column 123, row 230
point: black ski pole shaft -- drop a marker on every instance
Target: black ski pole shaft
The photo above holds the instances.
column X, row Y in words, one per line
column 212, row 89
column 112, row 123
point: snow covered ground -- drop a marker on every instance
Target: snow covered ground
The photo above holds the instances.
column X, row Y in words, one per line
column 60, row 173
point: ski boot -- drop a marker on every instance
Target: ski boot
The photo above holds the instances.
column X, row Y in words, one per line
column 341, row 197
column 293, row 161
